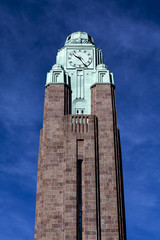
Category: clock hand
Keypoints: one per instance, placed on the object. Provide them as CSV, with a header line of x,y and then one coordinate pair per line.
x,y
76,55
80,58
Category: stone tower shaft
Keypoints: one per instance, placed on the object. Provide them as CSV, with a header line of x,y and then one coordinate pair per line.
x,y
80,184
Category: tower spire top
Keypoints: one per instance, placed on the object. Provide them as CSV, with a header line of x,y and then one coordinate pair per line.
x,y
79,38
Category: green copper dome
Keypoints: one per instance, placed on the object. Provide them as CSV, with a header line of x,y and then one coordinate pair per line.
x,y
79,38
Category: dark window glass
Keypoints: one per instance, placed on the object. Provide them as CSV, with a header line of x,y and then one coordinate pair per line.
x,y
79,200
89,37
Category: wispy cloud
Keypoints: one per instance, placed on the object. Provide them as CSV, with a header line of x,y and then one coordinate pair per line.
x,y
128,34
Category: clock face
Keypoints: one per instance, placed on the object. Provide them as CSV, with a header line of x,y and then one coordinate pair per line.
x,y
79,58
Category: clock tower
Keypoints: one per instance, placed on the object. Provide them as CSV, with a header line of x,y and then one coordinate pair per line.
x,y
80,184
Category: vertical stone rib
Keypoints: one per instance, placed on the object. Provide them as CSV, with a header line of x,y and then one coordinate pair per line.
x,y
119,172
103,106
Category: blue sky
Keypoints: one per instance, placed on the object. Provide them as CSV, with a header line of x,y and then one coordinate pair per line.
x,y
128,32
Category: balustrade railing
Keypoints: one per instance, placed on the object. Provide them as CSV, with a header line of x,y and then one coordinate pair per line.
x,y
79,123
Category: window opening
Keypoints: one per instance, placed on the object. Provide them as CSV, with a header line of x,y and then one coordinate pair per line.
x,y
89,37
79,200
80,84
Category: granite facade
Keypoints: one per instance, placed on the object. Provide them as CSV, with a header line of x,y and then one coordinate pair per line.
x,y
64,140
